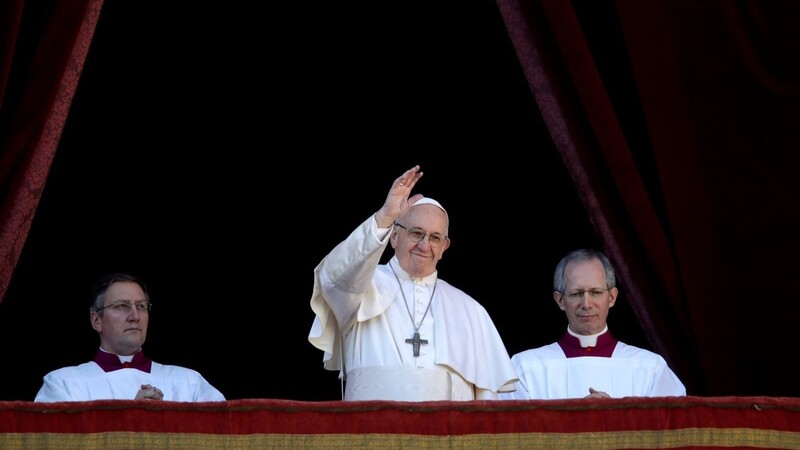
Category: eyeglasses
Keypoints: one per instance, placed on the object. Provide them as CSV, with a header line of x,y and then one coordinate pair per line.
x,y
418,234
594,293
126,307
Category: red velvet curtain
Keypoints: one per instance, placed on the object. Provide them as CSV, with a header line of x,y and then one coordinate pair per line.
x,y
678,120
43,45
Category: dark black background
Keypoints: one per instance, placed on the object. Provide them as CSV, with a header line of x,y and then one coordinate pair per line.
x,y
220,153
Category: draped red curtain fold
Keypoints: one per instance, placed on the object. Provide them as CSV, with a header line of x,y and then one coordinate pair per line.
x,y
676,120
43,46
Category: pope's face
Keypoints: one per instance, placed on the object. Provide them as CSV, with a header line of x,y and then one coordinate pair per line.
x,y
419,258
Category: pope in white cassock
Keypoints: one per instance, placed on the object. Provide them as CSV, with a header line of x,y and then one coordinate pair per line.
x,y
397,331
587,361
120,313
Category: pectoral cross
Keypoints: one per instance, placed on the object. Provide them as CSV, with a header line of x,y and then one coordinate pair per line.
x,y
416,341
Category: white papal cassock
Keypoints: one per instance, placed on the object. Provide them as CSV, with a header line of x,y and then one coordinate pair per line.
x,y
362,323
